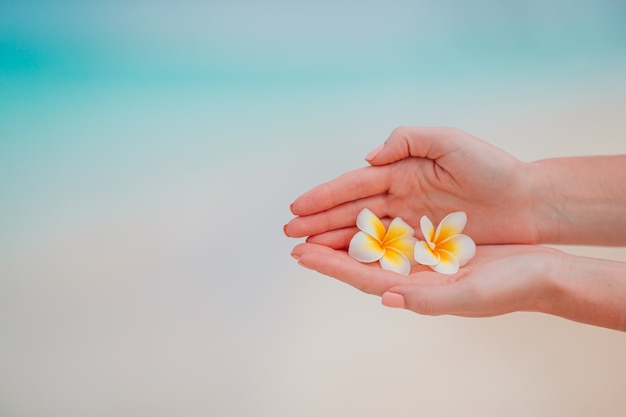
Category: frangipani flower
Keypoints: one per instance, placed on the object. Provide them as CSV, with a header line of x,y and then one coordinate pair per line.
x,y
445,250
392,247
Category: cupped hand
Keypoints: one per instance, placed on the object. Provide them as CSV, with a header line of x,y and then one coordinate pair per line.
x,y
500,279
424,171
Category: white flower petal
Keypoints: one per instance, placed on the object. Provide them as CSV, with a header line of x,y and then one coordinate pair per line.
x,y
395,261
404,244
370,224
398,228
448,264
461,246
424,254
452,224
428,230
365,248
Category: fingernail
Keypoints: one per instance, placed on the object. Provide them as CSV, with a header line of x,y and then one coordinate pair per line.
x,y
285,230
291,208
393,300
295,256
375,152
302,264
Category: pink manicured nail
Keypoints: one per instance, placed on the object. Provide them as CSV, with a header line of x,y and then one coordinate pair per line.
x,y
375,152
393,300
285,230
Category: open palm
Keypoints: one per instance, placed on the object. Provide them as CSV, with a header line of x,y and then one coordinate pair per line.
x,y
498,280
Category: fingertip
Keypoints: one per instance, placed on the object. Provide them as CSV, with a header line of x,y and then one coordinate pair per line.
x,y
393,300
304,260
374,153
288,230
297,251
300,206
301,263
301,249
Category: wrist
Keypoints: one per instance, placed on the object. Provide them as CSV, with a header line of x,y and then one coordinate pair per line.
x,y
544,193
578,200
548,265
587,290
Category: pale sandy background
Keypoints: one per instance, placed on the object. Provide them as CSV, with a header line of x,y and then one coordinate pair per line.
x,y
148,155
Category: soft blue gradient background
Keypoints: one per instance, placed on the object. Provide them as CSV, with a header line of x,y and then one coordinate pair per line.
x,y
149,151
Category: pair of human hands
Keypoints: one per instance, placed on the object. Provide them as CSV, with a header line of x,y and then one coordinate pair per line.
x,y
434,171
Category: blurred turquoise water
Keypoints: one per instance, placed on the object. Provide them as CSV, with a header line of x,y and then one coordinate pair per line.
x,y
132,69
247,45
127,80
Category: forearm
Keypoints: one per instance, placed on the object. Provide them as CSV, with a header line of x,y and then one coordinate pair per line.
x,y
590,291
580,200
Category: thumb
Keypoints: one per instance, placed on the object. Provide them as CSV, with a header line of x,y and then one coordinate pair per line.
x,y
430,300
424,142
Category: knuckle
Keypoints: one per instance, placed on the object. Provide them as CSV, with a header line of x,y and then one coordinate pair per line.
x,y
401,132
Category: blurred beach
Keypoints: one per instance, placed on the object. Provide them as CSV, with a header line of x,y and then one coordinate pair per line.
x,y
149,152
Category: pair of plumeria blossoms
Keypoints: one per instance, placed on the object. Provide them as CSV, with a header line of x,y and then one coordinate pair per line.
x,y
445,249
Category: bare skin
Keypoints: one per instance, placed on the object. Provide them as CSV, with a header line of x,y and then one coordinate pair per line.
x,y
435,171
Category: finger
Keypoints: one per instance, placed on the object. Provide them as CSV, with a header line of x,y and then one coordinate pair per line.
x,y
335,239
353,185
337,217
434,300
339,238
424,142
369,278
